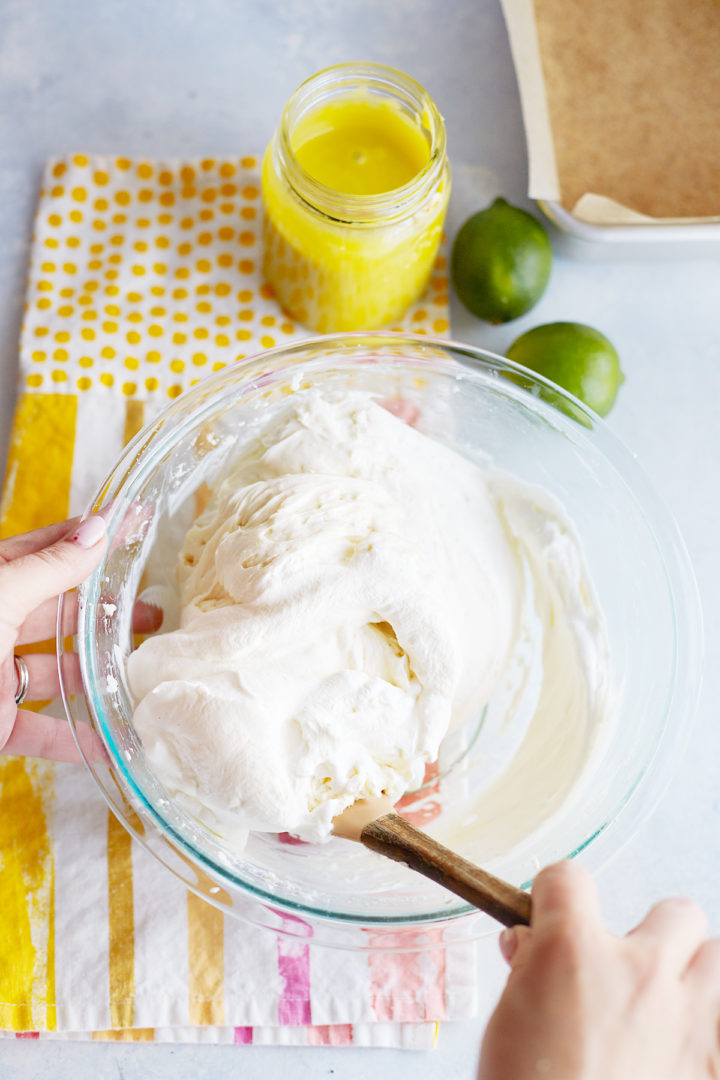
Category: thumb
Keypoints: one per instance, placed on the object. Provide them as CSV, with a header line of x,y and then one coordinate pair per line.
x,y
39,575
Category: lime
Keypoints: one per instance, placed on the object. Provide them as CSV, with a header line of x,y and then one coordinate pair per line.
x,y
501,262
573,356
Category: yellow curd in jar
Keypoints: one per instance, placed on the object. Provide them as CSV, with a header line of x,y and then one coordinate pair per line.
x,y
355,189
360,147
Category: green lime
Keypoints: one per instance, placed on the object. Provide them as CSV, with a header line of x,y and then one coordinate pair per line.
x,y
573,356
501,262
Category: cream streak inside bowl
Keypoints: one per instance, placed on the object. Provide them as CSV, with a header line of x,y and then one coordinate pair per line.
x,y
363,609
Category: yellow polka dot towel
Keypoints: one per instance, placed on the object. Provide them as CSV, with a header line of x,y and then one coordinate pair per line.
x,y
144,278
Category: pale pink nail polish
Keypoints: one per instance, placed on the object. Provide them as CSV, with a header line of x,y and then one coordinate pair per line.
x,y
508,943
90,532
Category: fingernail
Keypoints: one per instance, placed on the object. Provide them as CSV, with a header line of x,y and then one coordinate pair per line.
x,y
156,616
508,943
90,532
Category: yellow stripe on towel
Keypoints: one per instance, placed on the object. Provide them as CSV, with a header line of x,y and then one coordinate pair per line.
x,y
206,971
125,1035
37,488
121,909
134,419
121,919
27,982
37,492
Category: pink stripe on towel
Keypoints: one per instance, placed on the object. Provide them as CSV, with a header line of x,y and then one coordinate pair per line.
x,y
330,1035
293,959
294,970
243,1035
407,986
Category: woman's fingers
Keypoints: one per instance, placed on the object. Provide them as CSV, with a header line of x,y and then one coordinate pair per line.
x,y
512,942
704,969
146,617
8,690
403,409
36,735
35,568
33,734
26,543
36,576
564,893
41,624
43,677
673,929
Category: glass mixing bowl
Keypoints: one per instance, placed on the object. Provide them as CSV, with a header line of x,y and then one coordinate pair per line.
x,y
492,411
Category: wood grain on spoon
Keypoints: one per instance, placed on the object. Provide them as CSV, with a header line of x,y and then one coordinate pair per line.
x,y
374,823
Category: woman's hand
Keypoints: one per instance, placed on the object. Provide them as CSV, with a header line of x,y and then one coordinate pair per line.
x,y
583,1004
35,568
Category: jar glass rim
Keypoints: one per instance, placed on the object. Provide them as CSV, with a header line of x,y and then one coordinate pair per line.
x,y
338,81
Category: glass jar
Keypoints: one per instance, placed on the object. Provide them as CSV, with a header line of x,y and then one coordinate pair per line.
x,y
355,187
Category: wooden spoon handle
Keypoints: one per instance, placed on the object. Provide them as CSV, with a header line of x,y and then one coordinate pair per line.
x,y
393,836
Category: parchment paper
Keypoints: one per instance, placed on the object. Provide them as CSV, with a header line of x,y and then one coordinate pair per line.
x,y
621,100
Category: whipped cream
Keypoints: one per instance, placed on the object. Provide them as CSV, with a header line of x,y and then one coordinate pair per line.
x,y
351,592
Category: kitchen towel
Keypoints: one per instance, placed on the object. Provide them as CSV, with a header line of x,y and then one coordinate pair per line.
x,y
145,276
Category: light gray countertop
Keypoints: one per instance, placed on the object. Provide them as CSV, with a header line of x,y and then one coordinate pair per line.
x,y
186,77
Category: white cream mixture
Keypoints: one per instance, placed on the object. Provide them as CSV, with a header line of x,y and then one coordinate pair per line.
x,y
352,591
